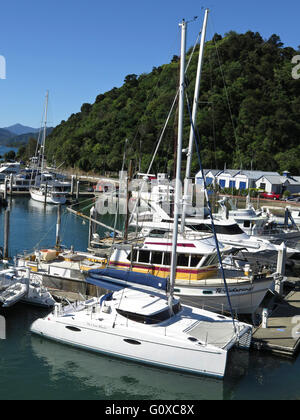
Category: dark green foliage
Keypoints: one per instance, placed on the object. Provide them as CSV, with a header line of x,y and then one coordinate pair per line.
x,y
248,117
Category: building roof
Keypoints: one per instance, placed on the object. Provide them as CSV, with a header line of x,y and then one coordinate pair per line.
x,y
274,179
214,172
257,174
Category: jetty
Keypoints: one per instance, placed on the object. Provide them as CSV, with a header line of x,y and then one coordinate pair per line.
x,y
281,332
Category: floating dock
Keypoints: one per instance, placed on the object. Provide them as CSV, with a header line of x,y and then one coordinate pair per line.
x,y
282,335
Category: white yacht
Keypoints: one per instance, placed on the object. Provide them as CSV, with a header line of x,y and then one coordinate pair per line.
x,y
46,189
198,280
258,223
55,192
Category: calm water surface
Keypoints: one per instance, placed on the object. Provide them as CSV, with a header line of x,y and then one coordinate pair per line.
x,y
34,368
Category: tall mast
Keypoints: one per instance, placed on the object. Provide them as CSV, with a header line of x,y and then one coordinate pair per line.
x,y
193,124
178,164
45,133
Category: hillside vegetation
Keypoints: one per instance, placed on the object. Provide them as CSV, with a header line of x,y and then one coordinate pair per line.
x,y
249,113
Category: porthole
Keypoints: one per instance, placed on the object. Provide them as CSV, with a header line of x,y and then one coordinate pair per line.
x,y
193,339
129,341
75,329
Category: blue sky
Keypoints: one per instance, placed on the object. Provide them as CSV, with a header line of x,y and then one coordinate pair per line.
x,y
79,49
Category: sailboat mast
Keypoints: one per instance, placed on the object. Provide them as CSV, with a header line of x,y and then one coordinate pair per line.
x,y
45,132
178,162
194,113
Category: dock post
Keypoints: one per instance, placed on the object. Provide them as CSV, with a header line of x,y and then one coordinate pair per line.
x,y
72,185
286,217
6,181
11,181
92,225
265,315
46,192
58,223
6,233
281,261
77,191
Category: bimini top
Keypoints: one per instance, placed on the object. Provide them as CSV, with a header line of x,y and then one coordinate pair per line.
x,y
113,279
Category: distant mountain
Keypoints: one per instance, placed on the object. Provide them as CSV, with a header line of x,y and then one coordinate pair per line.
x,y
19,129
16,141
5,135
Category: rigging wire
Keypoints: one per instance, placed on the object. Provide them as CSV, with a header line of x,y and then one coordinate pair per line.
x,y
197,141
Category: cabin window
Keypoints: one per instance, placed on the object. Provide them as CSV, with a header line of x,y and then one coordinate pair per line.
x,y
195,260
156,258
247,223
211,260
144,256
183,260
167,258
132,256
201,227
157,233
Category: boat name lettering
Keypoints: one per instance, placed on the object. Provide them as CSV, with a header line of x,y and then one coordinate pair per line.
x,y
235,290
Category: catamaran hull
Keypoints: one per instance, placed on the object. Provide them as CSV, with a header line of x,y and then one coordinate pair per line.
x,y
163,352
49,200
245,299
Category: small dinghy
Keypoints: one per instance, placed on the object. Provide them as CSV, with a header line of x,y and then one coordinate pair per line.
x,y
13,294
21,285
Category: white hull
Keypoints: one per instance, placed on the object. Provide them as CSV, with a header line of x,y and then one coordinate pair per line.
x,y
194,340
148,352
13,294
51,198
245,298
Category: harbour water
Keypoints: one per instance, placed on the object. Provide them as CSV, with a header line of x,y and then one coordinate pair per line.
x,y
32,368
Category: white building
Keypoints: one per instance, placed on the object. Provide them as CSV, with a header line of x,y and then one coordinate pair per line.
x,y
233,178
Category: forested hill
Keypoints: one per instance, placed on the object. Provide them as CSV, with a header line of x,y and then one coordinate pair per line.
x,y
249,113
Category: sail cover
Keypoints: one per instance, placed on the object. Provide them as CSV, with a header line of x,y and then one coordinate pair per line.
x,y
124,278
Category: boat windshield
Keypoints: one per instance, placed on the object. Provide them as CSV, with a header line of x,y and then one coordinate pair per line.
x,y
233,229
152,318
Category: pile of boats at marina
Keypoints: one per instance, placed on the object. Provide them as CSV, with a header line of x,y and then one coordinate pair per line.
x,y
171,293
43,184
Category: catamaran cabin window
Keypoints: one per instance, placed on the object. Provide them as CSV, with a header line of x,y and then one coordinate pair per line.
x,y
151,319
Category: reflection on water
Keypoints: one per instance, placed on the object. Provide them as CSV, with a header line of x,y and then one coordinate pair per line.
x,y
35,368
33,225
38,207
113,378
